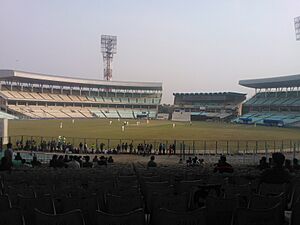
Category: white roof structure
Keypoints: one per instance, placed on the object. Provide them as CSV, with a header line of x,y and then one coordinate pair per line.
x,y
273,82
37,78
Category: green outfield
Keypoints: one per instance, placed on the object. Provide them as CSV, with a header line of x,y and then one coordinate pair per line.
x,y
155,129
207,136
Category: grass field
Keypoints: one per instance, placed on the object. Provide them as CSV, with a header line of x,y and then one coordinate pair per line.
x,y
157,131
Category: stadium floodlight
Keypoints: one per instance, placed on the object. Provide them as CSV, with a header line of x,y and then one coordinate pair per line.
x,y
108,49
297,27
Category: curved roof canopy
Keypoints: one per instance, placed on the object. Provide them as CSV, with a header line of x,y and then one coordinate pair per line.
x,y
273,82
36,78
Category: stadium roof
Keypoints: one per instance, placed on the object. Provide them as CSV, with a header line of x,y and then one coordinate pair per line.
x,y
211,93
273,82
37,78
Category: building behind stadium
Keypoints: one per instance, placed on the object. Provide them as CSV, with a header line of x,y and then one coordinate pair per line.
x,y
39,96
276,102
218,106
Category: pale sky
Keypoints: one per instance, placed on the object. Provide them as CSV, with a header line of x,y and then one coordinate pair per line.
x,y
190,46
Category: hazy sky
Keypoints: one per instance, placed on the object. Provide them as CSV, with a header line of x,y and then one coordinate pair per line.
x,y
190,46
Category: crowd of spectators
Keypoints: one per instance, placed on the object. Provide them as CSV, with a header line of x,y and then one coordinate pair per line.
x,y
62,146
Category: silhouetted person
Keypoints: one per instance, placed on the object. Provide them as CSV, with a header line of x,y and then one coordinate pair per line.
x,y
35,162
296,165
18,156
288,165
87,162
6,164
277,174
102,161
151,163
222,166
263,163
110,159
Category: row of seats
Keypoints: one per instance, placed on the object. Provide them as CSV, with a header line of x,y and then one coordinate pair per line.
x,y
51,112
18,95
275,99
130,194
269,118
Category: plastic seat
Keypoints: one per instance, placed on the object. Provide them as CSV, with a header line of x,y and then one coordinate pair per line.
x,y
295,217
28,205
11,216
4,203
220,210
69,218
87,205
117,204
244,216
186,186
165,216
135,217
272,189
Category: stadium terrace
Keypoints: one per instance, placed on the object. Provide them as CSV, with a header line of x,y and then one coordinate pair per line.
x,y
276,102
33,95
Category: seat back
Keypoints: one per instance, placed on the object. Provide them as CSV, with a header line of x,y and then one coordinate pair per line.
x,y
186,186
11,216
222,207
28,205
117,204
4,203
70,218
265,202
135,217
295,218
165,216
272,189
244,216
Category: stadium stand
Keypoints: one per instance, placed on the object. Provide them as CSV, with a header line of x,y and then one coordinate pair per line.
x,y
276,102
130,193
31,95
221,106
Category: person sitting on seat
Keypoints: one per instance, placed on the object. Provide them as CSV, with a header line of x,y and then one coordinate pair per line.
x,y
18,156
110,159
35,162
263,163
288,165
296,165
6,164
222,166
277,174
53,161
87,163
102,161
151,163
73,164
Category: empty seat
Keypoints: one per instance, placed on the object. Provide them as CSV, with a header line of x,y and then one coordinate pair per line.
x,y
135,217
165,216
69,218
244,216
11,217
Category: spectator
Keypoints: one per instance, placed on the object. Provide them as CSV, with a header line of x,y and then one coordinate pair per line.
x,y
35,162
277,174
222,166
60,162
53,161
6,164
288,165
296,165
102,161
110,159
263,163
73,164
151,163
87,163
18,156
8,154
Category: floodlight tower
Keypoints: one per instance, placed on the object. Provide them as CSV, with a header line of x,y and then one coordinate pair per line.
x,y
108,49
297,27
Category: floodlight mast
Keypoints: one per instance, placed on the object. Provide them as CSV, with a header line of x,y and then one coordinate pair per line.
x,y
108,49
297,28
